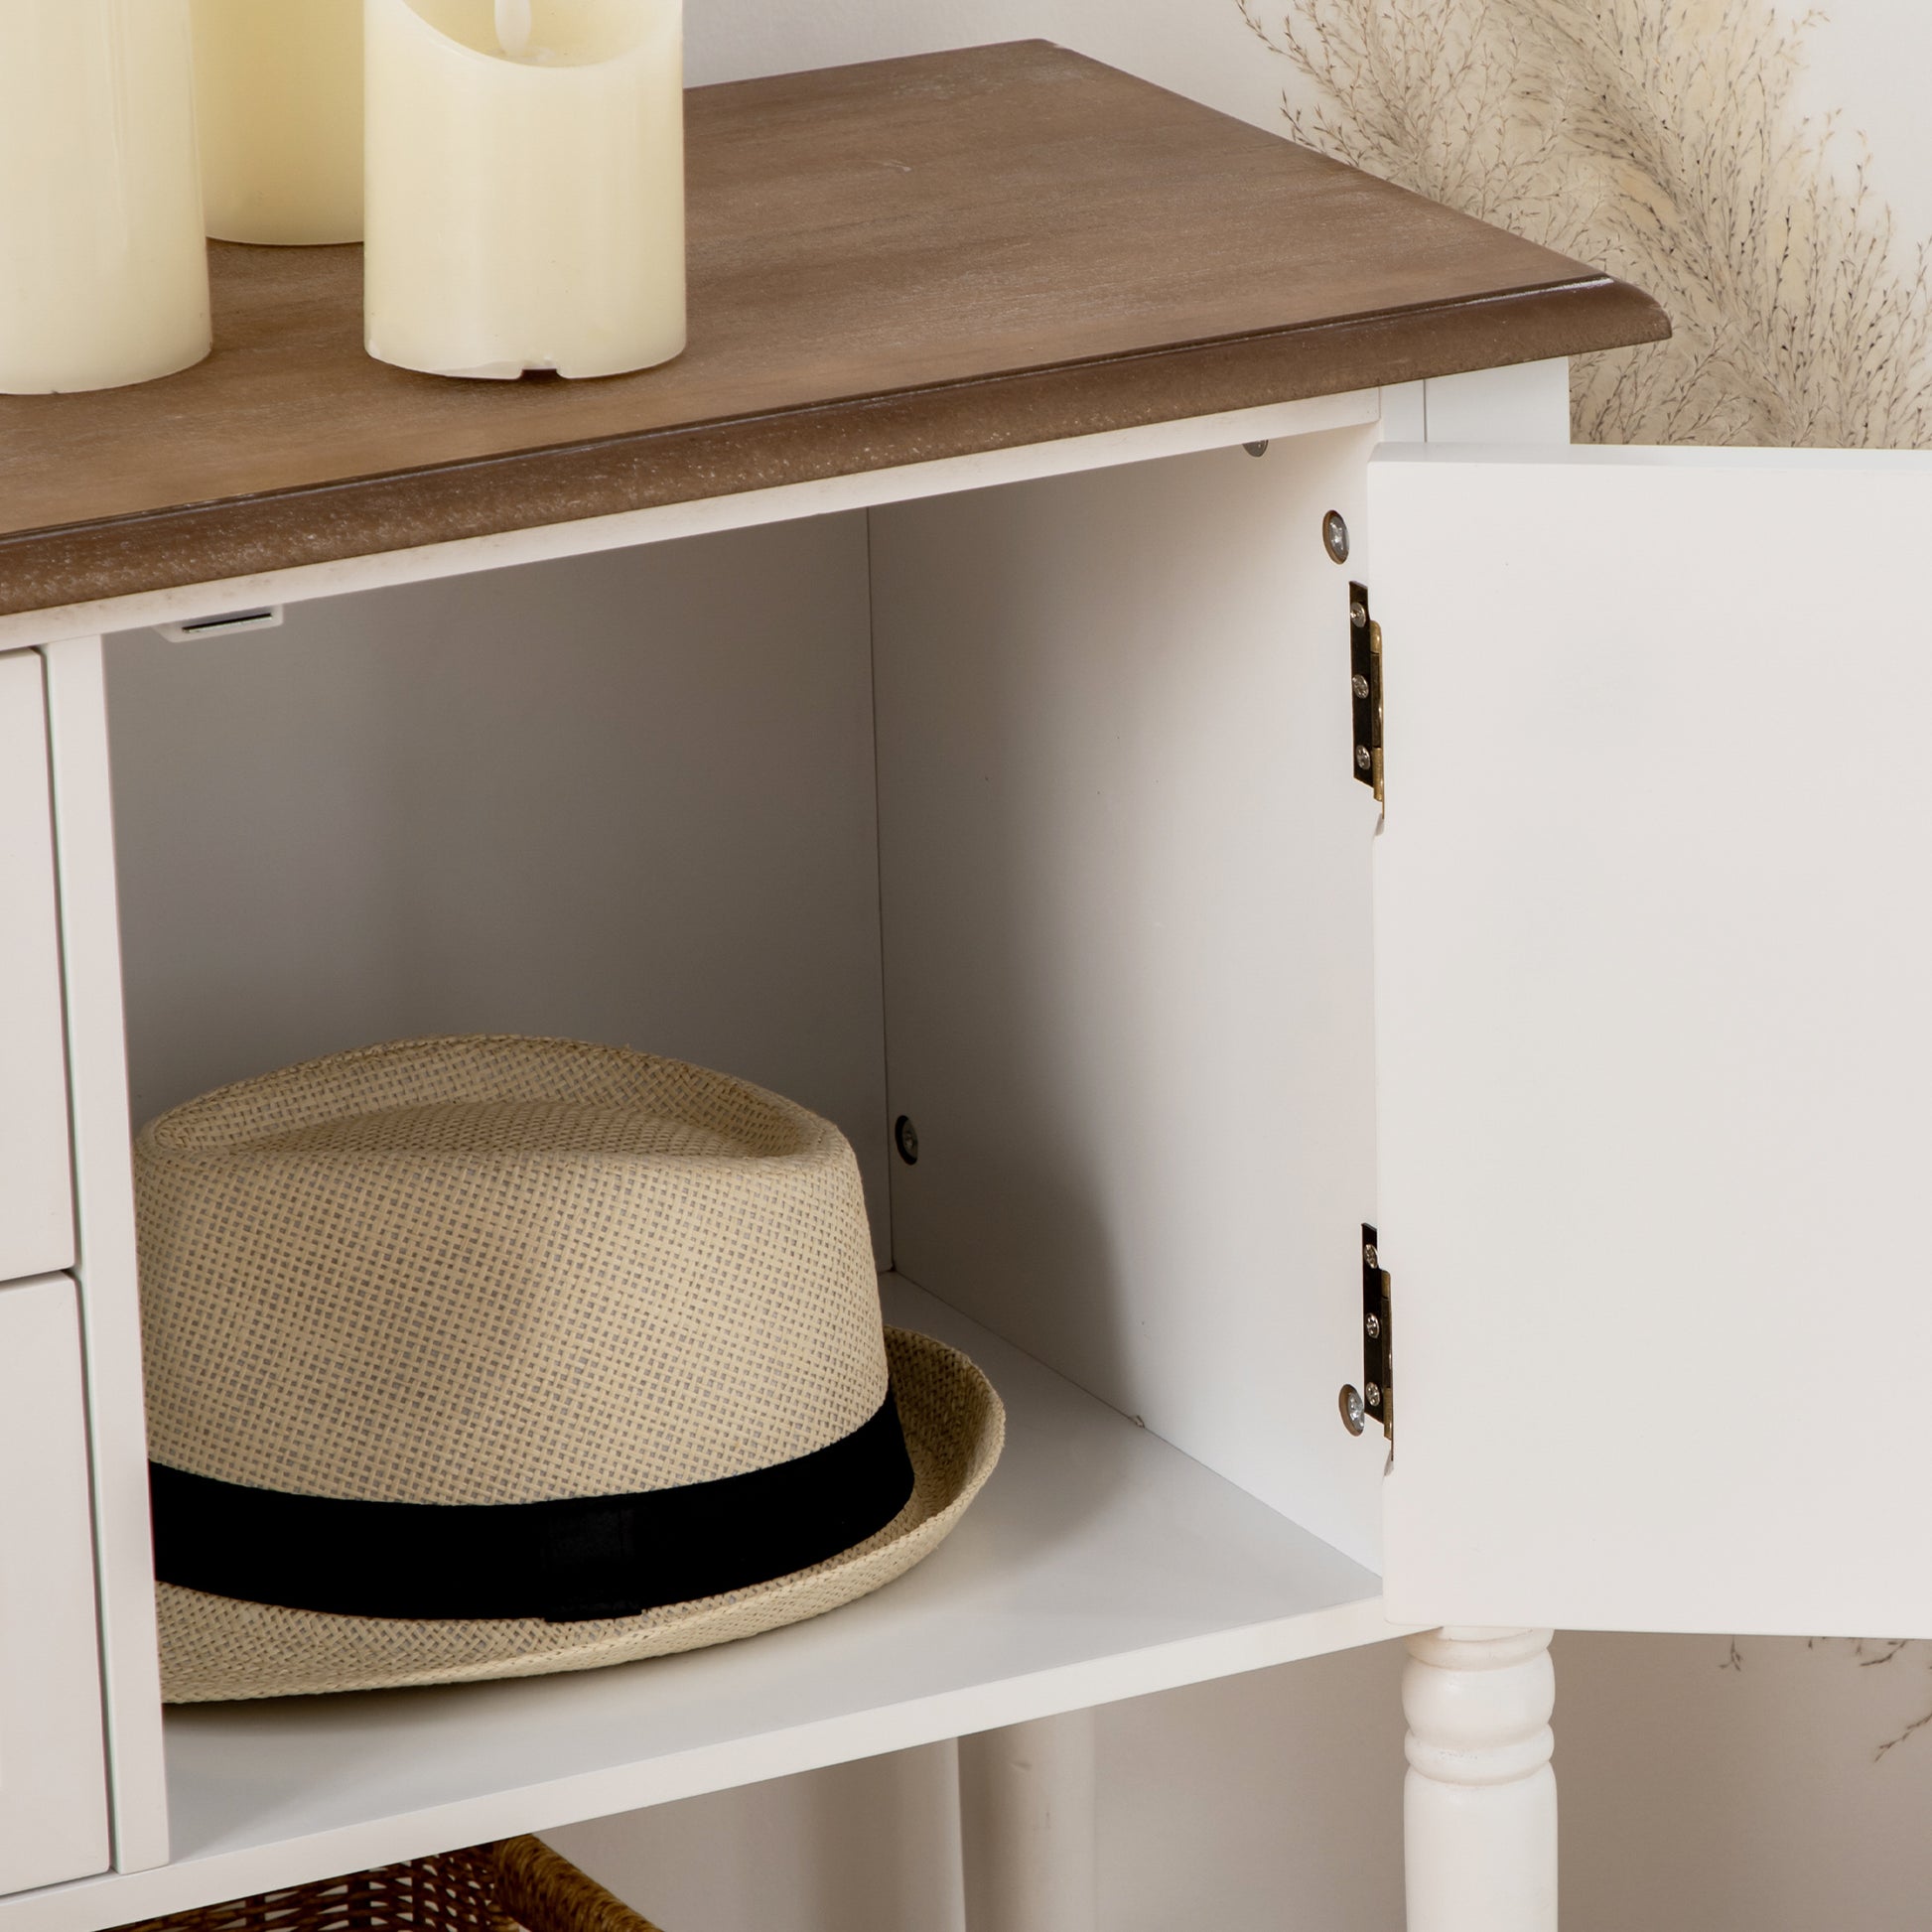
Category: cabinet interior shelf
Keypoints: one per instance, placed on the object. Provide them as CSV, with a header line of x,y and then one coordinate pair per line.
x,y
1099,1563
891,263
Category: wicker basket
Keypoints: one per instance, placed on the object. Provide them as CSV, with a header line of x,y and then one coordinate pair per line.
x,y
515,1883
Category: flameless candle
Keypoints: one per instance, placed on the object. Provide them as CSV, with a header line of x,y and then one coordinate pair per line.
x,y
103,271
278,89
525,184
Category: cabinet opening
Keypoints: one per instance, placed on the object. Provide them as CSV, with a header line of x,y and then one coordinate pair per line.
x,y
1015,827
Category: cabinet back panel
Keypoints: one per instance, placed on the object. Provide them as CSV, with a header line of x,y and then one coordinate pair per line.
x,y
1126,898
627,797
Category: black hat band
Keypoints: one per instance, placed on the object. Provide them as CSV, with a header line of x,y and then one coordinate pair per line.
x,y
567,1561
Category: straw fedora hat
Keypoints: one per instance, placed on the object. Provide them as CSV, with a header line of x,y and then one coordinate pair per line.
x,y
491,1356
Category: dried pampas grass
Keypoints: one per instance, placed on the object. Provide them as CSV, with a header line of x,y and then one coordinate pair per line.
x,y
1657,139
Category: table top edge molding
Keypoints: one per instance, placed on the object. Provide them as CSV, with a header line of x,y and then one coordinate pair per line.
x,y
497,495
659,523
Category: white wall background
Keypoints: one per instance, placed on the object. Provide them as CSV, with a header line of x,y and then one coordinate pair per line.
x,y
1703,1790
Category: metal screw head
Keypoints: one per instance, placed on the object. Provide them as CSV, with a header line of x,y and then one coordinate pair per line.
x,y
1358,614
1374,1327
906,1137
1359,685
1363,759
1256,449
1375,1395
1334,537
1369,1257
1354,1417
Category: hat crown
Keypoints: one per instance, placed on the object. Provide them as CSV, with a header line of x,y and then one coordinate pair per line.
x,y
495,1270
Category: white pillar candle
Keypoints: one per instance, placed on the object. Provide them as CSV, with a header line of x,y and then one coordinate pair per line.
x,y
278,89
525,184
103,271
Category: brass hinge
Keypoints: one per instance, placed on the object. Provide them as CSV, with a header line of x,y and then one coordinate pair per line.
x,y
1374,1401
1378,1337
1365,684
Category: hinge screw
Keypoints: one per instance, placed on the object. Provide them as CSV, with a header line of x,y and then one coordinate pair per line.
x,y
1334,537
1358,614
1354,1417
1375,1395
1368,1255
906,1137
1363,757
1359,685
1374,1327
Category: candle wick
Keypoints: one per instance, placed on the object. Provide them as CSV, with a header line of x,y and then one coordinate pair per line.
x,y
513,27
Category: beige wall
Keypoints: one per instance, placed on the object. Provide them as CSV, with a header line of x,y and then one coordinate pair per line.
x,y
1702,1792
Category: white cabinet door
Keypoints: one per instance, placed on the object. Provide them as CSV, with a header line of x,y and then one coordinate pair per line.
x,y
53,1762
36,1192
1654,985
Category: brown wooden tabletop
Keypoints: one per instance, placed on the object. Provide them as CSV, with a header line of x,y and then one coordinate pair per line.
x,y
890,264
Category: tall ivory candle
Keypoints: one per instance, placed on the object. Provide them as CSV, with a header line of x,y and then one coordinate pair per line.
x,y
103,271
278,89
525,184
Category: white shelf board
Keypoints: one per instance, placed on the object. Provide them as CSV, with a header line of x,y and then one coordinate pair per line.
x,y
1099,1563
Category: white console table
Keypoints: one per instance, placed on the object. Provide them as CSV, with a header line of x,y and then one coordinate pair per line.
x,y
985,602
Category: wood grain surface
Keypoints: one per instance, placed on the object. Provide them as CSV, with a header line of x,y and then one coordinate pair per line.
x,y
890,264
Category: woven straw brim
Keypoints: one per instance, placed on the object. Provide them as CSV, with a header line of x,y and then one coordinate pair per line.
x,y
217,1648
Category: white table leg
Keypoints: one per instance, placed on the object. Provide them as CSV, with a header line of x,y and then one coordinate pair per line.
x,y
1026,1826
1479,1812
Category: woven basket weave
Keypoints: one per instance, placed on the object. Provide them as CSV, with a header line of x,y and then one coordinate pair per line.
x,y
515,1883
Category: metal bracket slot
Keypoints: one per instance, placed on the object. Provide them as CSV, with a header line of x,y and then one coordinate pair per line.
x,y
263,618
1365,685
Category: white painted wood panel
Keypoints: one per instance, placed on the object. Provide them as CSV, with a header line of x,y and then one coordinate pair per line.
x,y
1028,1835
36,1179
52,1770
1097,1564
1480,1802
1654,933
1528,402
1126,910
111,1313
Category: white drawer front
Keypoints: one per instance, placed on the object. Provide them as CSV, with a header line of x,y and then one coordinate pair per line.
x,y
36,1190
53,1763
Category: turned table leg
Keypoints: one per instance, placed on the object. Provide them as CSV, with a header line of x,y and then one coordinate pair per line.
x,y
1479,1810
1026,1826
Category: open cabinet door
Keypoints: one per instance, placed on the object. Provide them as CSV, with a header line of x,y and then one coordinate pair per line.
x,y
1654,991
